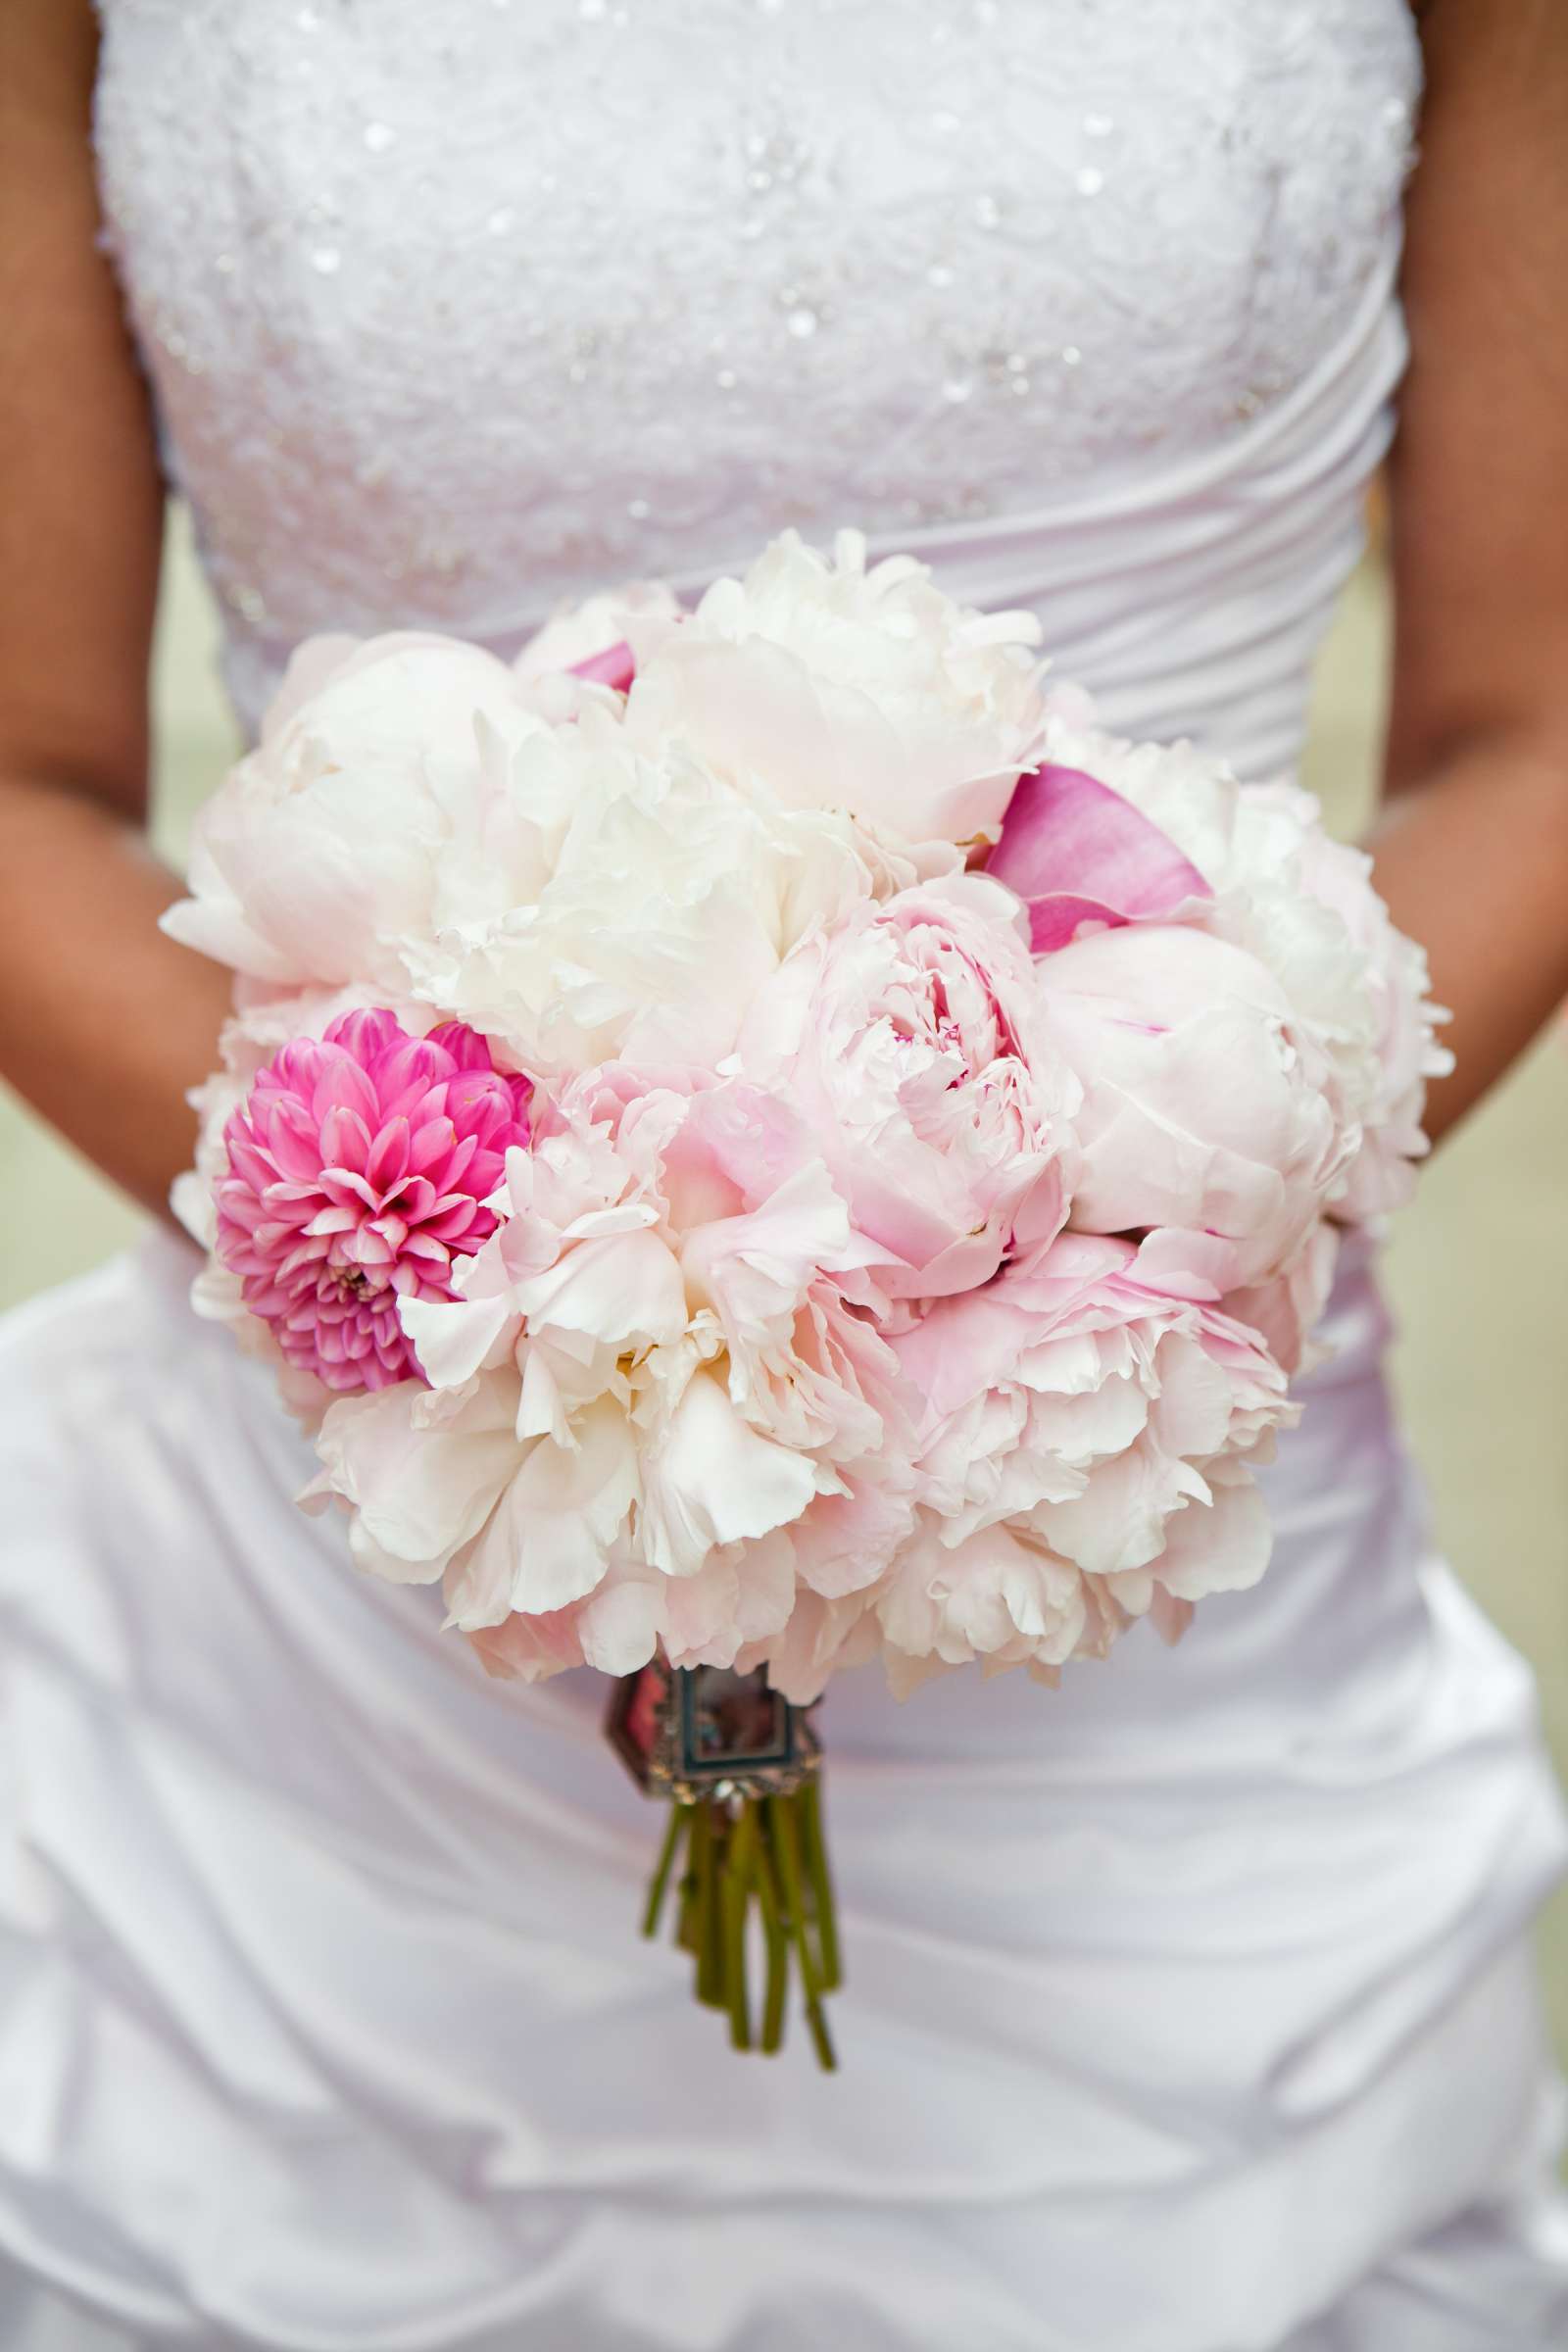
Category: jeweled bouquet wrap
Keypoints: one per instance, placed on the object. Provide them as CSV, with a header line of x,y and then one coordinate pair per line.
x,y
759,1139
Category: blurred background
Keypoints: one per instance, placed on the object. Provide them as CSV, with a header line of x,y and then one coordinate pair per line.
x,y
1476,1270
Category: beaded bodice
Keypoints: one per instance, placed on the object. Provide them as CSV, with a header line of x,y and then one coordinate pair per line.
x,y
452,312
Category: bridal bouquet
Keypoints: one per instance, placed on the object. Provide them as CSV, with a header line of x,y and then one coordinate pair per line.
x,y
759,1139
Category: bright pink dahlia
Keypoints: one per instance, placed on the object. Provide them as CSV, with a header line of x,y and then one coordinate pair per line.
x,y
359,1170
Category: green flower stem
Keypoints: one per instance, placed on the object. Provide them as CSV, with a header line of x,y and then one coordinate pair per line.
x,y
686,1922
778,1949
679,1825
781,1826
736,1888
813,1853
768,1853
710,1925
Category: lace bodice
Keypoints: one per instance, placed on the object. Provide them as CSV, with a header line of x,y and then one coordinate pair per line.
x,y
453,312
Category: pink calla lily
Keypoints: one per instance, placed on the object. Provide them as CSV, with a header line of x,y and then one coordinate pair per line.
x,y
1077,853
614,666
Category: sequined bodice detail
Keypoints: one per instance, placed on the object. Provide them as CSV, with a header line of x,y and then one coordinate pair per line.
x,y
452,310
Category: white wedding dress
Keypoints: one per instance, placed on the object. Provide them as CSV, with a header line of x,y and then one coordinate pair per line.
x,y
1190,2008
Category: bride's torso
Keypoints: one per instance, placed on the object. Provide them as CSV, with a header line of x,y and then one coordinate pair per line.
x,y
452,313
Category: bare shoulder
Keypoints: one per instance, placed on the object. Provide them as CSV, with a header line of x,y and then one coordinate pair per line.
x,y
80,517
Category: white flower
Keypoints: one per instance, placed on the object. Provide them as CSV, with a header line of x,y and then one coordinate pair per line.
x,y
632,621
330,842
1392,1004
655,906
834,686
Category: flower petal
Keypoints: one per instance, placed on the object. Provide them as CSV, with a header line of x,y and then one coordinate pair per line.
x,y
1076,852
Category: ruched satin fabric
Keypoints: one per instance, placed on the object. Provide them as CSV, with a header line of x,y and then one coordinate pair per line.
x,y
1190,594
1184,2003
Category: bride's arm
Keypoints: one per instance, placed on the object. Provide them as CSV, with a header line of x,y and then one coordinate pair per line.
x,y
1472,849
104,1023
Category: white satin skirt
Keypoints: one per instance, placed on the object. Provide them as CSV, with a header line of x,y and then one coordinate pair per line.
x,y
1188,2009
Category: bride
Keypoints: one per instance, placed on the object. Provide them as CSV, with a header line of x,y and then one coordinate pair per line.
x,y
1192,2009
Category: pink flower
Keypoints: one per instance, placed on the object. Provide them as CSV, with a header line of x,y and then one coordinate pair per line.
x,y
1270,881
1286,1311
1084,1461
1077,853
1206,1108
359,1168
911,1041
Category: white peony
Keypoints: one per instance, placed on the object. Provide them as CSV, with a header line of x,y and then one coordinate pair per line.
x,y
559,666
332,840
829,685
650,905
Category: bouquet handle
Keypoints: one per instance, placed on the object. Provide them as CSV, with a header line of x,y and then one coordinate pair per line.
x,y
744,1862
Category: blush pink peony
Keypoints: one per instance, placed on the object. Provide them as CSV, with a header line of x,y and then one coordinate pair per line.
x,y
1299,903
1206,1111
1083,1461
359,1168
911,1040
